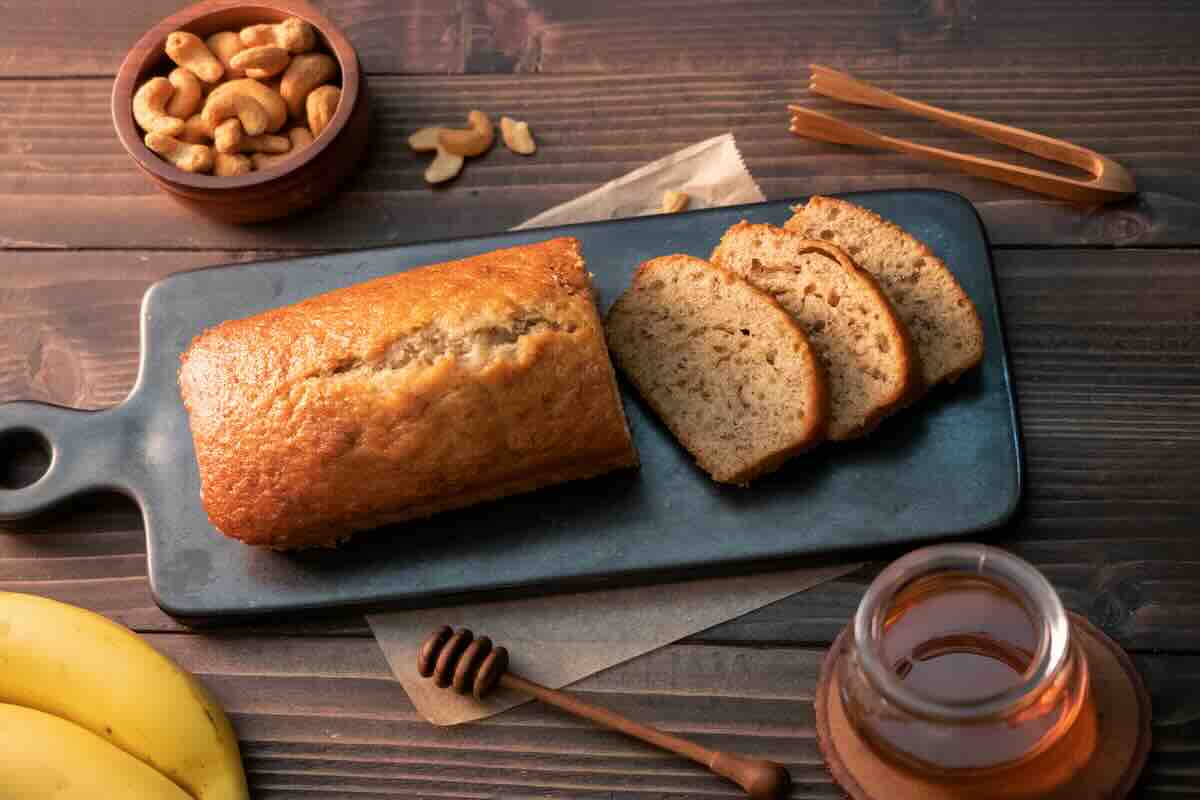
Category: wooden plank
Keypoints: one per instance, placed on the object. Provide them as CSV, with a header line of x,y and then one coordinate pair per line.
x,y
67,38
671,36
1104,346
662,36
323,717
60,160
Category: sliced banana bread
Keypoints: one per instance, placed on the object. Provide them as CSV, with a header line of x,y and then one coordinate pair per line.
x,y
857,336
721,363
940,318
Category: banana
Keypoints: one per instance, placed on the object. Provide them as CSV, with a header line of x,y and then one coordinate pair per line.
x,y
99,675
43,757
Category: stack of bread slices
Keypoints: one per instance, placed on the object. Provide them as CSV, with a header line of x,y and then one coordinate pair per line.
x,y
790,336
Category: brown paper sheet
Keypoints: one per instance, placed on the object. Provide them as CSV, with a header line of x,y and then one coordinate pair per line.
x,y
560,639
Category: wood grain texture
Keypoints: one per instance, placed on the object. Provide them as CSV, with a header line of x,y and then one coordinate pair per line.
x,y
1104,347
60,159
322,716
66,38
1104,343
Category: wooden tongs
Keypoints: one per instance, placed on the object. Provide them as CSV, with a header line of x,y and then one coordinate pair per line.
x,y
1110,181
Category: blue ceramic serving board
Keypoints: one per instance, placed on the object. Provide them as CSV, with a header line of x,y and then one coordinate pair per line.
x,y
948,466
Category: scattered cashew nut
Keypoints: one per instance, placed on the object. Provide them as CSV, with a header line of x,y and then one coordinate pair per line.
x,y
469,142
517,136
425,139
305,73
674,201
446,165
263,61
188,95
225,45
293,34
269,99
228,165
227,105
320,105
150,108
187,157
188,51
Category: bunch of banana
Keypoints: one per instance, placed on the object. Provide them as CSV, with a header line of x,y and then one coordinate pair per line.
x,y
89,710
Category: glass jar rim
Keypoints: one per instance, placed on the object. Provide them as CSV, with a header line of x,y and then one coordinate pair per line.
x,y
1018,576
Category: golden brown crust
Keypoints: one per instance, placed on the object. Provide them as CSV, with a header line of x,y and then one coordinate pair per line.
x,y
403,396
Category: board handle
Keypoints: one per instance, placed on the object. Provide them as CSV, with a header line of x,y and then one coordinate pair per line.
x,y
86,453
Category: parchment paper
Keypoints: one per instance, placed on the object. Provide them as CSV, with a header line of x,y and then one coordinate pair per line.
x,y
711,172
560,639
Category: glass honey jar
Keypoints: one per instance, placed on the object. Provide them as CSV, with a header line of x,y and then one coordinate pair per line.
x,y
963,672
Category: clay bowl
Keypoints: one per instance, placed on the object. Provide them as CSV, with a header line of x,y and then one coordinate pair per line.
x,y
298,183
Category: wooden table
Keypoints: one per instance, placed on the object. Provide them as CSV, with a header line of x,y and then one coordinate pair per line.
x,y
1102,313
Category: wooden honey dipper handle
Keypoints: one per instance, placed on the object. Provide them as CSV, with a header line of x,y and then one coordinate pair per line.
x,y
457,659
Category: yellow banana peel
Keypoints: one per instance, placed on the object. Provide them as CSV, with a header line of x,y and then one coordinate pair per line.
x,y
87,670
43,756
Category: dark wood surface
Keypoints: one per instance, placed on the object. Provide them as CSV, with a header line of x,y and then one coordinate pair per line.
x,y
1102,310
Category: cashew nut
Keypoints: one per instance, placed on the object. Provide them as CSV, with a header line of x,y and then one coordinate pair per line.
x,y
268,160
150,107
517,136
197,131
321,104
300,138
674,201
293,34
424,139
226,105
187,97
472,141
225,45
266,144
270,100
187,50
187,157
228,165
264,61
228,137
444,167
305,73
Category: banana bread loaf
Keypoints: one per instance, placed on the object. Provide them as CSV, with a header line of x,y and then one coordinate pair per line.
x,y
428,390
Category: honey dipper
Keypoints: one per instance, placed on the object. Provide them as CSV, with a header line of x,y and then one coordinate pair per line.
x,y
473,666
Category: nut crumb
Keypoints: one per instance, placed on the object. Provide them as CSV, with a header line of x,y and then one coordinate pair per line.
x,y
674,201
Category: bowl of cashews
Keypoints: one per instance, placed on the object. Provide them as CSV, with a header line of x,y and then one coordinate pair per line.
x,y
243,112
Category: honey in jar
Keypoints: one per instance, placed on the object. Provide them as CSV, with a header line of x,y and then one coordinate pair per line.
x,y
963,672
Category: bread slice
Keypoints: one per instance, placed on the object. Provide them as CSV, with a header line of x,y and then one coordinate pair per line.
x,y
721,363
940,318
855,332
